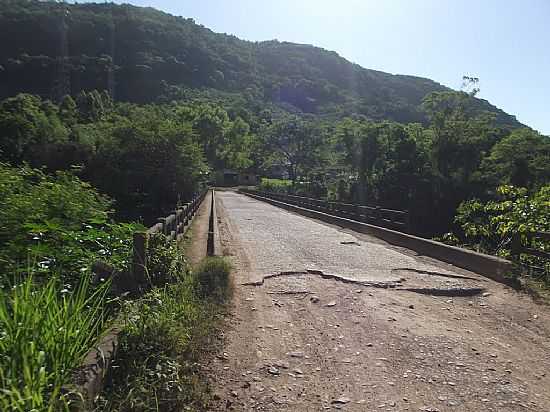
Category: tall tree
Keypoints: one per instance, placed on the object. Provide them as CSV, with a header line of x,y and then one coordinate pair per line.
x,y
298,144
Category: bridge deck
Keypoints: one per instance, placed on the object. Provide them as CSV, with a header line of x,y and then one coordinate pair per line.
x,y
328,318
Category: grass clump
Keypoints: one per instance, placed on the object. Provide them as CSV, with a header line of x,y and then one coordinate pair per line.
x,y
164,335
213,278
45,331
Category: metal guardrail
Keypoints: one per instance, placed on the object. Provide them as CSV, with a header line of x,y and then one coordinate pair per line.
x,y
518,249
374,215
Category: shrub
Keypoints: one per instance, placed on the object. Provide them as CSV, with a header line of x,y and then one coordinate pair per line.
x,y
213,277
56,224
166,263
275,185
490,227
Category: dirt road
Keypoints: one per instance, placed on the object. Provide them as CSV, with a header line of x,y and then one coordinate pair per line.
x,y
322,319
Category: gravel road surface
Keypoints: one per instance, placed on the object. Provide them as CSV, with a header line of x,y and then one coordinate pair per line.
x,y
324,318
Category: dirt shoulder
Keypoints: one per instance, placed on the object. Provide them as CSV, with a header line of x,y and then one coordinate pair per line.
x,y
195,242
301,342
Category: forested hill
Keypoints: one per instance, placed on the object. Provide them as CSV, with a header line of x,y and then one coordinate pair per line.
x,y
144,55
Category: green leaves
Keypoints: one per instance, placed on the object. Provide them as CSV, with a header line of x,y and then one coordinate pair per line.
x,y
521,159
56,225
165,333
297,144
26,122
490,226
45,330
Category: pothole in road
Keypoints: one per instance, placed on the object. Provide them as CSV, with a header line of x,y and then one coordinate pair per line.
x,y
350,243
462,284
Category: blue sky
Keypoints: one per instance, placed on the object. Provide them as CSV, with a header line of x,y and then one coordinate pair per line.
x,y
506,43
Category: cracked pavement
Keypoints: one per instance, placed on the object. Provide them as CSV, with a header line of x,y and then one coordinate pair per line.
x,y
324,318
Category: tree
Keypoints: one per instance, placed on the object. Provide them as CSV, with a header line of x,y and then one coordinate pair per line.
x,y
28,125
239,144
68,111
211,124
298,144
149,164
93,105
470,85
520,159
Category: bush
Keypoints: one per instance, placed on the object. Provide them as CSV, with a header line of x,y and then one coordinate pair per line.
x,y
166,263
213,278
275,185
56,224
490,227
51,230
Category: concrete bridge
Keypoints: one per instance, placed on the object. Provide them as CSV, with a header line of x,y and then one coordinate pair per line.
x,y
329,318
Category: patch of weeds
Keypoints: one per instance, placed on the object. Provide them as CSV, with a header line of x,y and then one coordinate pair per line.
x,y
166,262
213,278
165,334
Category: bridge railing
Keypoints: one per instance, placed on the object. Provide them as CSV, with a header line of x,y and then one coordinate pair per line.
x,y
537,262
172,226
374,215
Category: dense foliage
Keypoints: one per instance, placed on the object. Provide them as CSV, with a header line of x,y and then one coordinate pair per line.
x,y
505,226
148,158
428,170
55,226
52,227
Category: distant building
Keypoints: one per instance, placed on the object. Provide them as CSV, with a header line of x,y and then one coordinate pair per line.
x,y
234,178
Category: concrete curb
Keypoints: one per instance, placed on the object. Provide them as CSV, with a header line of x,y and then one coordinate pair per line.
x,y
217,239
214,247
89,378
489,266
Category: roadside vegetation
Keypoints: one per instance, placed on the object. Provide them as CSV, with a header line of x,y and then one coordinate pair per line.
x,y
52,227
45,331
53,310
165,333
275,185
503,226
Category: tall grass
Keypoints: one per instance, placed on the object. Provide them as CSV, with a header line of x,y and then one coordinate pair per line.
x,y
45,331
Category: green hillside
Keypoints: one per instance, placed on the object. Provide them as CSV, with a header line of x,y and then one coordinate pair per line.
x,y
142,55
